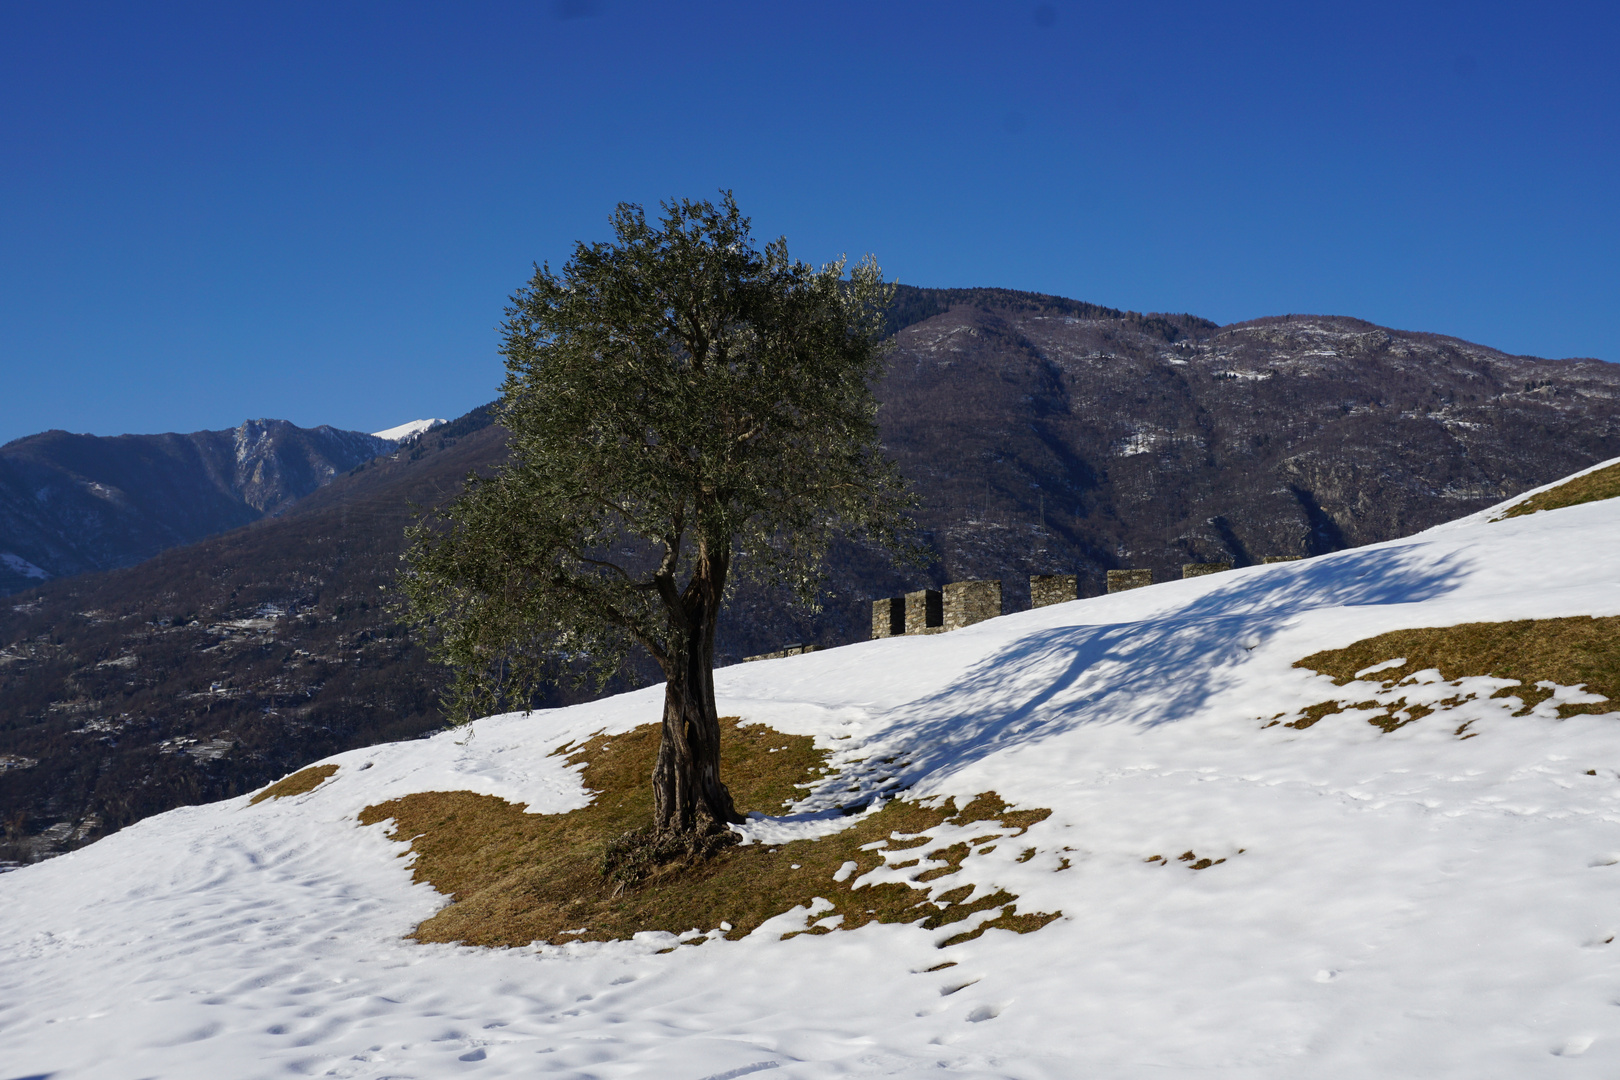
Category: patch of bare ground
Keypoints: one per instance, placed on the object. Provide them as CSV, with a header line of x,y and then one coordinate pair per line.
x,y
517,878
1193,860
1538,655
1593,487
299,782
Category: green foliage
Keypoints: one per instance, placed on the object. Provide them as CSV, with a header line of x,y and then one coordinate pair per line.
x,y
681,406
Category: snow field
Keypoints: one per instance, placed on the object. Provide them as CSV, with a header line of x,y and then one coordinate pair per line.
x,y
1401,904
407,430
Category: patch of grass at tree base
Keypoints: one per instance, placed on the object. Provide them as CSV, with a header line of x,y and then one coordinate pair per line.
x,y
299,782
518,878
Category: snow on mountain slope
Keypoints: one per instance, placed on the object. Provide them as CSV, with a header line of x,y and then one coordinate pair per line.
x,y
407,430
21,566
1401,904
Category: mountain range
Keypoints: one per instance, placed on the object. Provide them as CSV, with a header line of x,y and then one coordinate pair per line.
x,y
1042,435
74,503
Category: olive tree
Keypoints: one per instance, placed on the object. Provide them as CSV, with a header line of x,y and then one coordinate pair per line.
x,y
683,409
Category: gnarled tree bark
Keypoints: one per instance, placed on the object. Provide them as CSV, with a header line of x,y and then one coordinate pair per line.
x,y
688,795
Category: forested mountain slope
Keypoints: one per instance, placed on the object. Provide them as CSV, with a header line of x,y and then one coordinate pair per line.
x,y
1108,442
194,674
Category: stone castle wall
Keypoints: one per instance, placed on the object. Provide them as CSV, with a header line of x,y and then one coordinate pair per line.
x,y
790,650
963,603
932,611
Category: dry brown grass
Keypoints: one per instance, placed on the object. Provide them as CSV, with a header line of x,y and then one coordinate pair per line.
x,y
1594,486
1568,652
299,782
1193,860
517,878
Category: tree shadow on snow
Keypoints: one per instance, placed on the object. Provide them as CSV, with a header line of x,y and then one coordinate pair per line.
x,y
1154,671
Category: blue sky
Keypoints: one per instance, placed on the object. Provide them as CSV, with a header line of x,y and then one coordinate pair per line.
x,y
316,212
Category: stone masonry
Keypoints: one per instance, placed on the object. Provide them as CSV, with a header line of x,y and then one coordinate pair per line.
x,y
924,612
963,603
888,617
1047,589
1121,580
788,650
969,602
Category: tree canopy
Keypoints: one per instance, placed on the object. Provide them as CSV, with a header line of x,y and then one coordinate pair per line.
x,y
684,410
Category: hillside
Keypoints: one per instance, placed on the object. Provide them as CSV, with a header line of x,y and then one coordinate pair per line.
x,y
75,503
1347,817
1042,434
1046,439
199,673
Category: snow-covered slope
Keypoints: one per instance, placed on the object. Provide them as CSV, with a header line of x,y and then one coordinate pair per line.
x,y
408,430
1402,904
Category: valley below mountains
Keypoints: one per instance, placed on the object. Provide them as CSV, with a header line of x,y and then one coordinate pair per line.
x,y
1042,435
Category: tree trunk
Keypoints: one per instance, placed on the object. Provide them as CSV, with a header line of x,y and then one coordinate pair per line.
x,y
688,795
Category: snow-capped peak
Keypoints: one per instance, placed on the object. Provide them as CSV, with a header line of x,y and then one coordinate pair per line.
x,y
407,431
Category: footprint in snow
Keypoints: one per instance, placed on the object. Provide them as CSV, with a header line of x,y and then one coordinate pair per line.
x,y
206,1031
1574,1046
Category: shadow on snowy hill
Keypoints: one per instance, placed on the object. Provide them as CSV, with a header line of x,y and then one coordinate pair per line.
x,y
1151,672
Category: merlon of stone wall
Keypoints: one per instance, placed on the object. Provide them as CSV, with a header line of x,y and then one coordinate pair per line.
x,y
969,602
1047,589
1199,569
924,611
1121,580
1282,558
889,617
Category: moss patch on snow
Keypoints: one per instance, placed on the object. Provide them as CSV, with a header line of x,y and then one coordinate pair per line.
x,y
1535,656
297,784
1593,487
517,878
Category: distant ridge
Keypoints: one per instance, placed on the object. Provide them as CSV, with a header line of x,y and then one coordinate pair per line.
x,y
914,304
73,503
